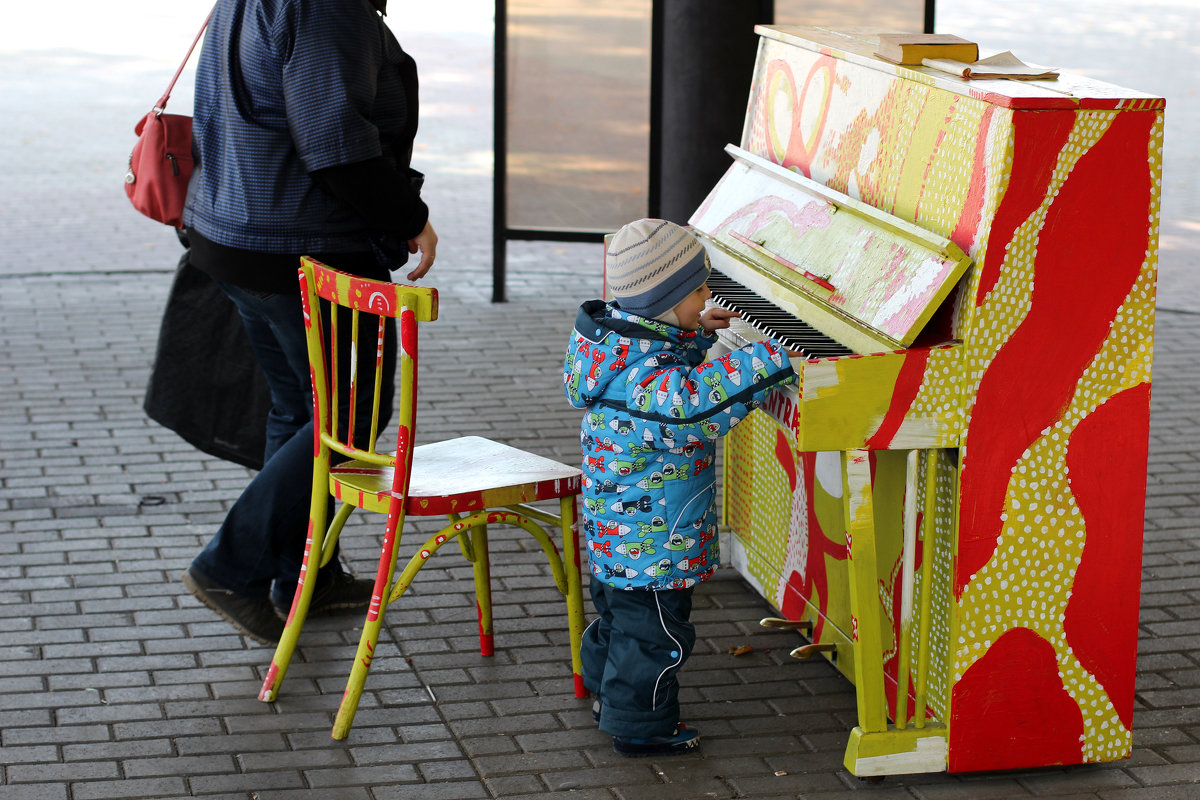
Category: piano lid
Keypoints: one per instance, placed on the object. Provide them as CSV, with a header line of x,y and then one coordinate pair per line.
x,y
858,268
1069,91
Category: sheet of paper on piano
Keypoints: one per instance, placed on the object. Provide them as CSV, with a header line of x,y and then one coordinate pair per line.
x,y
1000,66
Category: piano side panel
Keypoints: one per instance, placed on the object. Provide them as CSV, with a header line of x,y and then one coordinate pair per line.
x,y
1052,651
889,475
941,600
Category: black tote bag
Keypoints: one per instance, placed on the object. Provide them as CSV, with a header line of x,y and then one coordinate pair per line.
x,y
205,384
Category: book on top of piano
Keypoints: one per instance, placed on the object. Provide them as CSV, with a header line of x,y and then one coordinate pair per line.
x,y
912,48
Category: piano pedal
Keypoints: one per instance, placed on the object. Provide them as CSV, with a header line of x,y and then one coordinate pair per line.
x,y
804,626
809,650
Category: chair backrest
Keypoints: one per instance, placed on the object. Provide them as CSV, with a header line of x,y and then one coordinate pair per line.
x,y
350,334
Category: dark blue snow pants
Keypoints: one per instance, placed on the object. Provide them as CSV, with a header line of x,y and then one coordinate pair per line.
x,y
631,654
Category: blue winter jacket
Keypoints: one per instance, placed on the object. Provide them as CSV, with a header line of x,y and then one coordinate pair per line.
x,y
655,408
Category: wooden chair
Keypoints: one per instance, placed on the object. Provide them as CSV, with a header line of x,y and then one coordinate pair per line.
x,y
473,481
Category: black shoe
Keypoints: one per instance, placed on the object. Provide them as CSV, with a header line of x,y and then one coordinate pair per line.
x,y
340,592
254,617
683,740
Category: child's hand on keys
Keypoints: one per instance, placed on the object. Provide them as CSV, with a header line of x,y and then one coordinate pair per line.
x,y
716,318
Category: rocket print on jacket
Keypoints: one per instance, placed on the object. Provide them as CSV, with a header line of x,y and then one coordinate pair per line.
x,y
654,409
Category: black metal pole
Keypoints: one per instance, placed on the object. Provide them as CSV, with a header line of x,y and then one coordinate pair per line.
x,y
702,62
654,190
500,156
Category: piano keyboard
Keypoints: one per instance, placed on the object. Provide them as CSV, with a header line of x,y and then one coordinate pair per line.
x,y
761,318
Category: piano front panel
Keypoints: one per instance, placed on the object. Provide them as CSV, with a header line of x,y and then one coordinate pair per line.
x,y
1054,192
906,400
903,400
773,487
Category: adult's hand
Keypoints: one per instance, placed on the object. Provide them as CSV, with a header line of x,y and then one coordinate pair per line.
x,y
425,242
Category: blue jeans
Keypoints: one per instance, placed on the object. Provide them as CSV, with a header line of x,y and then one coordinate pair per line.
x,y
259,548
631,654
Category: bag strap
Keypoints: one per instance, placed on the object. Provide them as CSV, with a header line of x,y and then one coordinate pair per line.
x,y
161,105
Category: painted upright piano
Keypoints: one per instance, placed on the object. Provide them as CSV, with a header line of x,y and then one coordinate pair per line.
x,y
950,504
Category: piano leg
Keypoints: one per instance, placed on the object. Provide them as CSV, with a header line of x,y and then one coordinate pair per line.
x,y
875,747
866,629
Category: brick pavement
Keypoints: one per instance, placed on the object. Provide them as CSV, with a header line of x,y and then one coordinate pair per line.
x,y
115,683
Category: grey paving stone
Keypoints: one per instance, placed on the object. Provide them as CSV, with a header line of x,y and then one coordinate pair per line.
x,y
501,789
1188,773
35,791
386,774
247,785
179,766
342,793
1185,791
1091,778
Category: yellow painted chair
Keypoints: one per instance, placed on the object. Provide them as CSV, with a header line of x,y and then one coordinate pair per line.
x,y
471,480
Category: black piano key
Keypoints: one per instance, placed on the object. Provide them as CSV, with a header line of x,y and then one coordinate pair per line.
x,y
772,321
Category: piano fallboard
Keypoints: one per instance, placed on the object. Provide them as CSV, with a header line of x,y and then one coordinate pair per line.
x,y
866,279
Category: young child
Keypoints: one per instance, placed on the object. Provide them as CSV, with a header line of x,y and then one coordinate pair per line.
x,y
655,407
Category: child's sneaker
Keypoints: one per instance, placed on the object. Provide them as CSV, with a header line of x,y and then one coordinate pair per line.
x,y
683,740
597,707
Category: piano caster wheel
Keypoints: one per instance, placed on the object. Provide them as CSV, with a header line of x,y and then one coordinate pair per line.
x,y
802,625
810,650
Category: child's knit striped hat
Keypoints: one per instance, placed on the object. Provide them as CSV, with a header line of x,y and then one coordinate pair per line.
x,y
652,265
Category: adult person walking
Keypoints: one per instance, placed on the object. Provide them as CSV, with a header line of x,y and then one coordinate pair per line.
x,y
304,119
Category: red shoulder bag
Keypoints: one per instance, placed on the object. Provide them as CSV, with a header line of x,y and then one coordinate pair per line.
x,y
161,162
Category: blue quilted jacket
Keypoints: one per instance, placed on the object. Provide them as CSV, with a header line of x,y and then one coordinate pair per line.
x,y
655,408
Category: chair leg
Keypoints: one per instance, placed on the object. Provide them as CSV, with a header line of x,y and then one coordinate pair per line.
x,y
386,593
483,588
358,672
295,623
329,546
371,627
567,566
315,556
573,568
